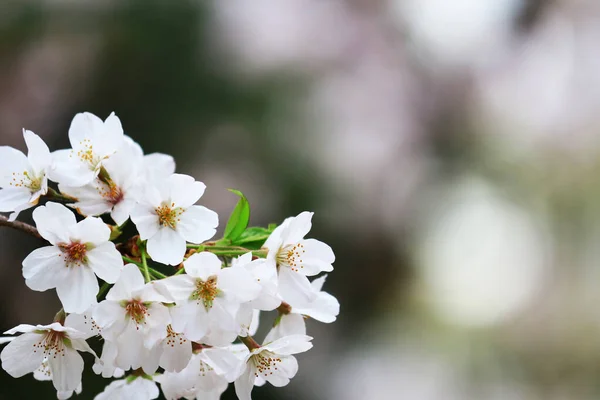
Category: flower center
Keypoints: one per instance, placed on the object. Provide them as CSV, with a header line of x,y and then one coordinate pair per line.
x,y
111,193
27,180
205,368
52,344
291,256
206,291
86,154
168,215
265,362
174,338
74,253
137,311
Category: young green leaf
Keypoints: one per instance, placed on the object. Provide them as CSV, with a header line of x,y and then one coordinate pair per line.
x,y
238,221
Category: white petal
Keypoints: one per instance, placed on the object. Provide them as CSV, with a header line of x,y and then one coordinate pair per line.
x,y
324,308
191,319
121,210
90,230
317,258
18,357
224,362
238,283
292,344
185,190
24,328
179,287
12,198
297,228
67,169
78,291
44,268
38,152
245,383
202,265
131,347
53,221
11,160
290,324
131,279
89,199
197,224
177,352
151,359
167,247
155,328
84,323
107,314
66,370
286,369
159,165
294,287
146,221
112,137
106,262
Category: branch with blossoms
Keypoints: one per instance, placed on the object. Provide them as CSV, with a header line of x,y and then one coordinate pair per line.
x,y
175,308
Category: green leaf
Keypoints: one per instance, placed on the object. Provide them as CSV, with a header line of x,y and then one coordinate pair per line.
x,y
238,221
253,238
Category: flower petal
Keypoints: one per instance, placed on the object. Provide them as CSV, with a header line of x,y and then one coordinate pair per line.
x,y
44,268
146,221
286,369
202,265
13,198
245,383
66,370
197,224
90,230
11,160
18,357
38,152
52,221
239,284
185,190
106,262
294,287
167,246
191,319
77,292
297,228
317,258
131,279
179,287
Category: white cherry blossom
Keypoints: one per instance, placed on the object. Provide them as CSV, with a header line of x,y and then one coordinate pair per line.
x,y
117,196
296,257
134,319
93,142
79,252
140,388
23,178
51,350
167,217
201,378
272,362
208,297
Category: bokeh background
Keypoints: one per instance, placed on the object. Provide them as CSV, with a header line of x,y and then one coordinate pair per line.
x,y
449,149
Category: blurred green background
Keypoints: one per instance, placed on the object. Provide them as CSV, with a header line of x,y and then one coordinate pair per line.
x,y
449,150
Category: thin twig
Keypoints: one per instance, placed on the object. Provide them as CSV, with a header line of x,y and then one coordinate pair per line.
x,y
21,226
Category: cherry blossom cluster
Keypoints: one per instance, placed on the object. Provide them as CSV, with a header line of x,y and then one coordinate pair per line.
x,y
165,306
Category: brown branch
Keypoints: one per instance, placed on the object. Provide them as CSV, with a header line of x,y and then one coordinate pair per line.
x,y
21,226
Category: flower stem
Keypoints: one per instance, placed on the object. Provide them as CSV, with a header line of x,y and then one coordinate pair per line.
x,y
54,195
103,289
249,341
145,269
131,261
156,273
